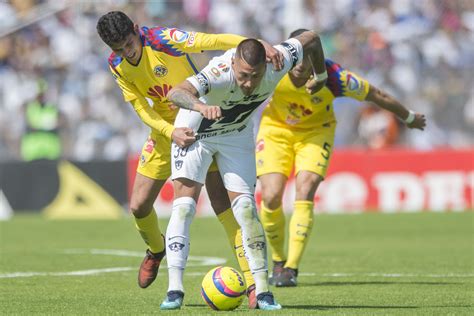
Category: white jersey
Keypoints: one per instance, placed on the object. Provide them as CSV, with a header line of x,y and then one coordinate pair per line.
x,y
216,85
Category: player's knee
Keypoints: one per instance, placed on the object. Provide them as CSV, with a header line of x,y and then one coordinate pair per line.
x,y
141,206
219,206
184,208
271,200
244,208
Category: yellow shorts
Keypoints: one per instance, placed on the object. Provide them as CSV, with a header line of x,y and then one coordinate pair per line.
x,y
279,149
155,158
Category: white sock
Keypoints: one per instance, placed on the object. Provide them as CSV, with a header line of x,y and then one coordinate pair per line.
x,y
253,239
177,241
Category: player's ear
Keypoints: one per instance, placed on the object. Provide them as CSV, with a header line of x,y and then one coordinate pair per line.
x,y
232,60
136,28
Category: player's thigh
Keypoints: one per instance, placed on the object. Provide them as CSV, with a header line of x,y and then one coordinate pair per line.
x,y
191,162
313,151
236,160
307,183
274,151
216,190
155,158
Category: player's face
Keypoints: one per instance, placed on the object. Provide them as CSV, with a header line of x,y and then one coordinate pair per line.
x,y
248,77
130,48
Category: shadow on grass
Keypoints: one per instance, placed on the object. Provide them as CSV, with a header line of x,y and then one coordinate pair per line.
x,y
373,283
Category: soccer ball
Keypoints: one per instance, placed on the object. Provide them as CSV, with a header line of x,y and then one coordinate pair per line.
x,y
223,288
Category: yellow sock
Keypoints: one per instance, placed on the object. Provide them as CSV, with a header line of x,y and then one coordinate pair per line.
x,y
150,231
273,222
301,224
234,235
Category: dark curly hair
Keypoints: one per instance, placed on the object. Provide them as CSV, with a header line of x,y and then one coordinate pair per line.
x,y
114,27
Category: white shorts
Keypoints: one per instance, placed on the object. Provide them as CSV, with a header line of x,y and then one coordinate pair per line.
x,y
234,154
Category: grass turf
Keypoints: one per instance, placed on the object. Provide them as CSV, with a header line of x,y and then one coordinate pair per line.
x,y
380,264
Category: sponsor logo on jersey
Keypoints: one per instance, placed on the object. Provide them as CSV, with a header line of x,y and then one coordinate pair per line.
x,y
176,246
223,67
215,72
260,163
160,71
178,36
191,38
203,82
260,145
150,144
354,84
159,91
291,49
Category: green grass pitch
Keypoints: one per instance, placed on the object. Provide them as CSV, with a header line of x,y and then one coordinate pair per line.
x,y
376,264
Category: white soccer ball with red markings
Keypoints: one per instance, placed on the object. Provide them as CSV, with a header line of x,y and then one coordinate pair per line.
x,y
223,288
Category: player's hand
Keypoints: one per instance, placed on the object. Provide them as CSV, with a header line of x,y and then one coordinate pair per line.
x,y
313,86
419,122
274,56
211,112
183,136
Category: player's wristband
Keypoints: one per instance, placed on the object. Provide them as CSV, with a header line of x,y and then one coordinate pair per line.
x,y
411,117
321,77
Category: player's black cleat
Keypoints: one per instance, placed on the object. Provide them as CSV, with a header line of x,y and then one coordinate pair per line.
x,y
149,268
277,270
287,278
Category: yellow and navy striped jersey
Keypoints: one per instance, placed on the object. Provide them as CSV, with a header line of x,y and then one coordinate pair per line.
x,y
295,108
165,62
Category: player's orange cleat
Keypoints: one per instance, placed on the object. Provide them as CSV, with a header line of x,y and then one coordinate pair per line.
x,y
149,268
252,297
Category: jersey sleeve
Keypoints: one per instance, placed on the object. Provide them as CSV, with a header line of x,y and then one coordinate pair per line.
x,y
344,83
129,91
177,42
215,76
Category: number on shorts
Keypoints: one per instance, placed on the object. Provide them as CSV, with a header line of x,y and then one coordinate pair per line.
x,y
327,151
180,152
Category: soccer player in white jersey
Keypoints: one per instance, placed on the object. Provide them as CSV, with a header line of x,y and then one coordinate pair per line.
x,y
231,87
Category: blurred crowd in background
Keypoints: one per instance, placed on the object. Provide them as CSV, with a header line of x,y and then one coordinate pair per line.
x,y
420,51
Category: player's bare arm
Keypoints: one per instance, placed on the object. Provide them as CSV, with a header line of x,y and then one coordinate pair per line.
x,y
389,103
313,51
273,55
186,96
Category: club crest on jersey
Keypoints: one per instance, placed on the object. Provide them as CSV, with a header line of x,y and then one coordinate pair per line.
x,y
316,99
178,36
176,246
160,71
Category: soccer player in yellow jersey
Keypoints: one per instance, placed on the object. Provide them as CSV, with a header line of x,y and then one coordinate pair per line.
x,y
297,132
146,63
